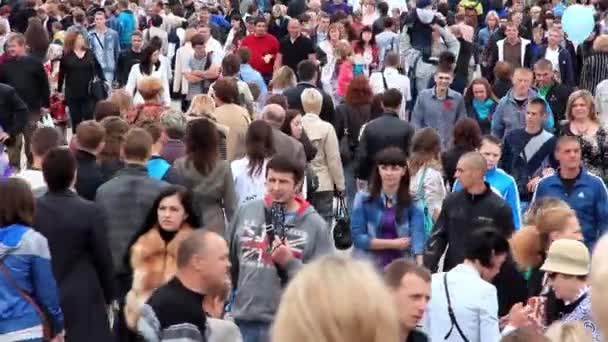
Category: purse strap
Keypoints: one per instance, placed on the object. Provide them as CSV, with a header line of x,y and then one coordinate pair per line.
x,y
420,190
7,274
453,320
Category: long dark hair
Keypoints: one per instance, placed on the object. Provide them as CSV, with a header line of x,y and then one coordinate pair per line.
x,y
145,66
259,145
392,156
202,144
468,94
360,44
151,220
290,114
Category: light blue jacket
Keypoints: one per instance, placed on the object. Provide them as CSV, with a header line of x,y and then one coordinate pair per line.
x,y
588,198
25,253
504,185
366,218
128,25
106,50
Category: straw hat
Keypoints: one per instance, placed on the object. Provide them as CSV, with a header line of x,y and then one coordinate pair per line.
x,y
568,257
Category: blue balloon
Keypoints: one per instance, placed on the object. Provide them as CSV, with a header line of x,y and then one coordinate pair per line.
x,y
578,22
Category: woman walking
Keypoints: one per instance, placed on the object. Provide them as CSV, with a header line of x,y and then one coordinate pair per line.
x,y
77,69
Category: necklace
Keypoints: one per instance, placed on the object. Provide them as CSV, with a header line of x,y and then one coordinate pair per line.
x,y
581,129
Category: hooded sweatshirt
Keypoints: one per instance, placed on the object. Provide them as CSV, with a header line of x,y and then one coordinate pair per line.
x,y
256,277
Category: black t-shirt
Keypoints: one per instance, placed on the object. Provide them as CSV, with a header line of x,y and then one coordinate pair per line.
x,y
295,52
569,182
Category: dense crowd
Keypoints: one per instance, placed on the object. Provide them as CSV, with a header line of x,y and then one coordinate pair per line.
x,y
303,170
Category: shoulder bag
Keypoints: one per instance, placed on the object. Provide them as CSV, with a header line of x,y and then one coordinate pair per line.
x,y
342,234
428,219
46,327
98,89
453,320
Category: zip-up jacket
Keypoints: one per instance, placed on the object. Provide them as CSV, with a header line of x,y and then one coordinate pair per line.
x,y
588,197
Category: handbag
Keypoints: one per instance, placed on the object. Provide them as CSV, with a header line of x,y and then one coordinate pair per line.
x,y
47,334
428,219
98,88
342,234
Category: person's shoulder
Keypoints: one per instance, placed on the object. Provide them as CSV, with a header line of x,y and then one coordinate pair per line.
x,y
221,330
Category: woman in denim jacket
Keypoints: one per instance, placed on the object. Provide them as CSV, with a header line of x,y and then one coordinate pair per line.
x,y
386,223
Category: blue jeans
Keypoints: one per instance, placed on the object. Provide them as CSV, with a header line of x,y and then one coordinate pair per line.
x,y
254,331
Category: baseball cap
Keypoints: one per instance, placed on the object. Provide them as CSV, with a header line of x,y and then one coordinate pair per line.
x,y
568,257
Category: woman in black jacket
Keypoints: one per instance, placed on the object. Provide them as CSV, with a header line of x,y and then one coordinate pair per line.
x,y
77,69
350,117
82,261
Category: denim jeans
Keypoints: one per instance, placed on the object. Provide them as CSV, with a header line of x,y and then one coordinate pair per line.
x,y
254,331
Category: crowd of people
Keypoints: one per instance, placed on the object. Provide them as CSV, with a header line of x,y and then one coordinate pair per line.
x,y
302,170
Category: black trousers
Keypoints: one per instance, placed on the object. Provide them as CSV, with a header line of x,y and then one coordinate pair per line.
x,y
80,110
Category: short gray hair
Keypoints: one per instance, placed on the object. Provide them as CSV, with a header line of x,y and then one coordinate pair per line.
x,y
174,123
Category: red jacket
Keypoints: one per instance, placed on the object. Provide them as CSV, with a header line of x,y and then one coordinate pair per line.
x,y
259,47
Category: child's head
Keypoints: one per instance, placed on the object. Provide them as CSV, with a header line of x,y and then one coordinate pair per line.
x,y
343,51
215,301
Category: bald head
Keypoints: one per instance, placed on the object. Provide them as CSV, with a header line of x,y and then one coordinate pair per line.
x,y
274,115
196,244
599,284
474,160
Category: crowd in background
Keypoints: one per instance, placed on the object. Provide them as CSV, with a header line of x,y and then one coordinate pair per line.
x,y
303,170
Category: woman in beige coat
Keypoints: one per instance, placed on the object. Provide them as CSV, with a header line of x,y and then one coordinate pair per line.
x,y
327,164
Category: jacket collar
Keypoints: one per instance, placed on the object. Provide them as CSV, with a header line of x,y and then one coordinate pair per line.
x,y
481,195
390,114
134,169
301,201
466,268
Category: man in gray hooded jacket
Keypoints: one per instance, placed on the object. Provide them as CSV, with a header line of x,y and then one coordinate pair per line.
x,y
270,239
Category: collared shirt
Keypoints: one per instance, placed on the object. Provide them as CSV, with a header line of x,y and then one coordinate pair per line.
x,y
249,74
440,114
475,305
393,80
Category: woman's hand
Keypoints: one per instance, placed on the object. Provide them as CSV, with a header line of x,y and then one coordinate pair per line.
x,y
402,243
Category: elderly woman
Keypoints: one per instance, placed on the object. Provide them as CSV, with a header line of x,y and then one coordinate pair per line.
x,y
150,89
327,163
595,66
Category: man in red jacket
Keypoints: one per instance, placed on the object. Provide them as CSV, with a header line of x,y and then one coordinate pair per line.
x,y
264,48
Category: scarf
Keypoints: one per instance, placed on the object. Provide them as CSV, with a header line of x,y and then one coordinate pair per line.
x,y
483,108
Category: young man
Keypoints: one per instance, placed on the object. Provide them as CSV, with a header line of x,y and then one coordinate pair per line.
x,y
527,153
466,293
231,67
583,191
510,111
159,168
556,94
264,48
127,22
270,239
202,69
129,57
439,107
90,136
127,198
27,76
387,40
562,62
249,74
175,308
105,44
13,118
308,75
411,288
390,77
500,181
385,131
44,139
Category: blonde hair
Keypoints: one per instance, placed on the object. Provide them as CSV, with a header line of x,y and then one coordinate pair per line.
x,y
528,244
343,50
599,284
150,87
585,95
600,43
568,332
336,299
312,101
201,105
122,99
189,34
283,78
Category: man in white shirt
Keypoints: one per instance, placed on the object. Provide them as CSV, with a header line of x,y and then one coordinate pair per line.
x,y
44,139
391,78
463,301
212,44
